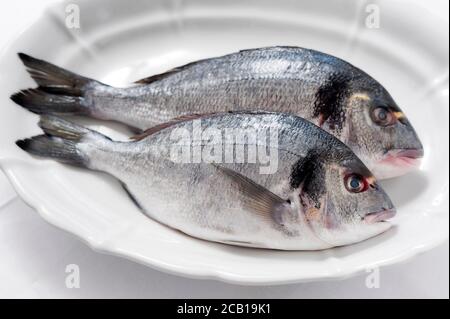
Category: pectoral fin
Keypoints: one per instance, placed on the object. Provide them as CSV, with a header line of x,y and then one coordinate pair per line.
x,y
257,198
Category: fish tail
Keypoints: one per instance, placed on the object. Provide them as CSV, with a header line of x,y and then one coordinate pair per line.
x,y
54,79
40,102
52,147
61,141
60,91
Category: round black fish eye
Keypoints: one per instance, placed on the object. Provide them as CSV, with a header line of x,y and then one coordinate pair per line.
x,y
382,116
355,183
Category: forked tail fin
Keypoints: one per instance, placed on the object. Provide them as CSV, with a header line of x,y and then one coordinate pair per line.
x,y
41,102
61,141
53,79
60,91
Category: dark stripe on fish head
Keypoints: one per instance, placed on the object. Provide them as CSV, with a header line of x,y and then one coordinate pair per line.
x,y
329,101
308,180
308,174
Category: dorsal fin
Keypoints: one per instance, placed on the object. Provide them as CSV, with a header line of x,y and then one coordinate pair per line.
x,y
158,77
188,117
168,73
159,127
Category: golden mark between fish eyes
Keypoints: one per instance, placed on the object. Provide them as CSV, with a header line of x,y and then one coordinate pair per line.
x,y
360,96
399,115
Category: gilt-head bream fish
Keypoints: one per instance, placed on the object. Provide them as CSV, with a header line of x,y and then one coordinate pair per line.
x,y
315,199
329,92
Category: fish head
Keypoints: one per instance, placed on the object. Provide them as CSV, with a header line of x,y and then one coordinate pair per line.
x,y
342,202
379,132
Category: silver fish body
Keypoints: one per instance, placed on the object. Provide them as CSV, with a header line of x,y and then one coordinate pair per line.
x,y
321,88
315,199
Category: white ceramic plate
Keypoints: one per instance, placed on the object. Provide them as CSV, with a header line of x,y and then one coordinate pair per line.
x,y
122,41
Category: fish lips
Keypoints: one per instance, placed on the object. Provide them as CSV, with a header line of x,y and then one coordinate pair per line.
x,y
397,162
380,216
412,153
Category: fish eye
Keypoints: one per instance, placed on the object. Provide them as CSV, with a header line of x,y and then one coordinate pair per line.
x,y
356,183
382,116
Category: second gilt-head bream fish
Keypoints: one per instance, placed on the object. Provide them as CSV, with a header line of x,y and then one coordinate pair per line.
x,y
315,199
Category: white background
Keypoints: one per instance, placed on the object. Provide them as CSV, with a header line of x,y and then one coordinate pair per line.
x,y
34,255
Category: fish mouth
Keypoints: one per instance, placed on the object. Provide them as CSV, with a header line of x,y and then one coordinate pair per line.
x,y
413,153
380,216
397,162
404,157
